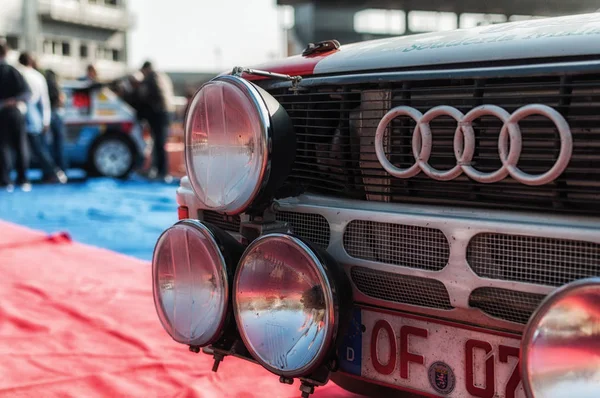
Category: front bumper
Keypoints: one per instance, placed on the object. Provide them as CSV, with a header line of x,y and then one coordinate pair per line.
x,y
485,268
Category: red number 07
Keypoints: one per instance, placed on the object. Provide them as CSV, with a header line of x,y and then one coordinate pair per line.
x,y
504,353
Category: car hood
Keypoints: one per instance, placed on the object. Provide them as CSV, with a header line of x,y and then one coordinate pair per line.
x,y
571,36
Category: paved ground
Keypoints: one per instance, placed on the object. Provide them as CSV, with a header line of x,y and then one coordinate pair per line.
x,y
124,216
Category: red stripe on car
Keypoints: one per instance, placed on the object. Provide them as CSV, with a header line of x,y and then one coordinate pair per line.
x,y
294,66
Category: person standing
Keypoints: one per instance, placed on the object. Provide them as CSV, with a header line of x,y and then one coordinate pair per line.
x,y
156,96
13,139
57,126
37,120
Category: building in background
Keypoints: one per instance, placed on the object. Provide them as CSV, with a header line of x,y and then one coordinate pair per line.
x,y
356,20
185,83
67,35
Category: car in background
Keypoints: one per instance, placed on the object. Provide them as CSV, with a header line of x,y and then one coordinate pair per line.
x,y
103,135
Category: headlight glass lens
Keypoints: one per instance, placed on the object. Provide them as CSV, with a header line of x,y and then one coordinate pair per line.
x,y
190,284
561,346
226,144
284,305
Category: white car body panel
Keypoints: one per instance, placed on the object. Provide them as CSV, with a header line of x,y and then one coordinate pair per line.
x,y
540,38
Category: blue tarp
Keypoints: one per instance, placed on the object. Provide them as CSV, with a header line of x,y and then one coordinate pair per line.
x,y
123,216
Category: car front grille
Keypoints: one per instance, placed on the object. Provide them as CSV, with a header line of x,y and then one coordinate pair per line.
x,y
533,259
335,155
227,223
401,288
404,245
312,227
516,258
505,304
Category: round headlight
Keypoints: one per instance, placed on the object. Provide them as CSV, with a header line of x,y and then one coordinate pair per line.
x,y
239,142
190,283
286,305
560,351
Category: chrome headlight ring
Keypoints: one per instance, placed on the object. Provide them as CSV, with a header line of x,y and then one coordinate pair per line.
x,y
290,303
560,350
240,145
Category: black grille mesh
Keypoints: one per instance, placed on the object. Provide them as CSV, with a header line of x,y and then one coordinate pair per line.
x,y
227,223
404,245
505,304
401,288
312,227
533,259
328,156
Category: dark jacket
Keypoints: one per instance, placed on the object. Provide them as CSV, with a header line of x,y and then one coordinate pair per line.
x,y
54,91
12,84
153,94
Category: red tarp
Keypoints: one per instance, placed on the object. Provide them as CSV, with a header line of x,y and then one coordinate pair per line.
x,y
77,321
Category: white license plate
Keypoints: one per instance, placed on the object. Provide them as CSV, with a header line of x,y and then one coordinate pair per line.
x,y
436,358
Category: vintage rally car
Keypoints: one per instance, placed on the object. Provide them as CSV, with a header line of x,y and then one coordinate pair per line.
x,y
420,213
103,134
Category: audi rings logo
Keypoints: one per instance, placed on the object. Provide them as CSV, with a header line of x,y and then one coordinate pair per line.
x,y
509,143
